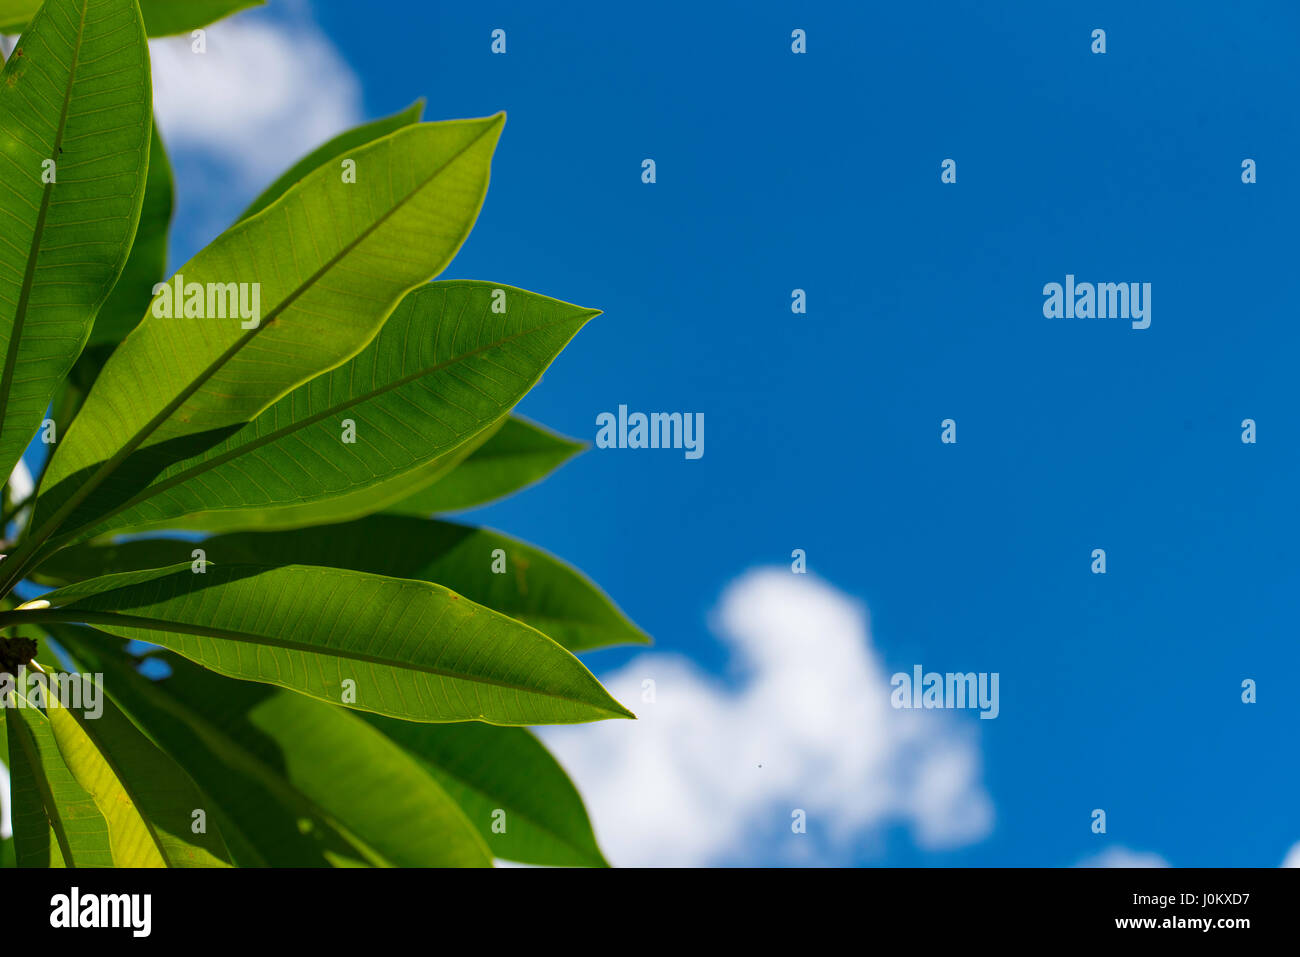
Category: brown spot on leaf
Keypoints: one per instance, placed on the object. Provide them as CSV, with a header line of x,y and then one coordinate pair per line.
x,y
15,652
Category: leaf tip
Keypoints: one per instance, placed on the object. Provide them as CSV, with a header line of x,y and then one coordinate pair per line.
x,y
622,712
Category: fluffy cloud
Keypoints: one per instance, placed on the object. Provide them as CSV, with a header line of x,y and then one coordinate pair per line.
x,y
1292,857
265,92
711,773
1123,857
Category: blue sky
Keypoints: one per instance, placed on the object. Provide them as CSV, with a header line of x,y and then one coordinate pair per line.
x,y
821,171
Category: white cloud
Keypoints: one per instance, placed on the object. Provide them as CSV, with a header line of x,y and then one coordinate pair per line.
x,y
1292,857
21,485
1123,857
683,784
265,92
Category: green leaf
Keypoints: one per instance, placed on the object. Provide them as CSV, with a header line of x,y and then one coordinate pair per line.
x,y
406,649
146,266
75,94
146,799
147,263
445,368
166,17
264,819
56,823
335,149
330,261
517,455
536,588
292,774
16,14
504,776
161,17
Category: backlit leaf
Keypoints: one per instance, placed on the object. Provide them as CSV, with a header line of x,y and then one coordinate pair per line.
x,y
74,139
